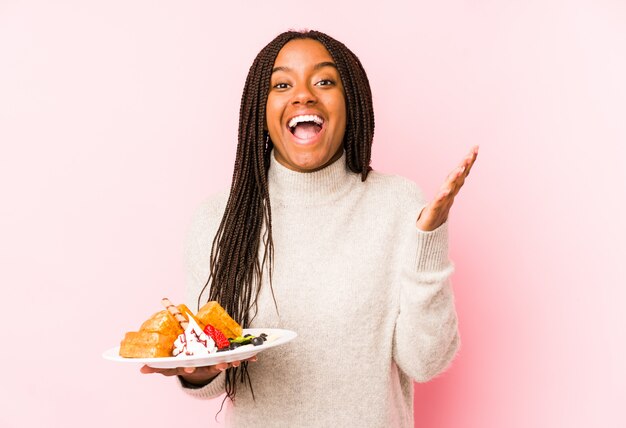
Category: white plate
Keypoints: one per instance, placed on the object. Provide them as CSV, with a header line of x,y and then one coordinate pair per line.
x,y
241,353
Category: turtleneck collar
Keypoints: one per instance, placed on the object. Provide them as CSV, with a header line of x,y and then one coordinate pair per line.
x,y
327,184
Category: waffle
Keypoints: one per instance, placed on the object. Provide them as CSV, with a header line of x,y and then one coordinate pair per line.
x,y
213,313
155,337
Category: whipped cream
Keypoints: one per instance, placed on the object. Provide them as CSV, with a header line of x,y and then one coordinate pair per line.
x,y
193,342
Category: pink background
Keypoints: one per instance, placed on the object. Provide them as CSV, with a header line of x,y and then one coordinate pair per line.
x,y
117,118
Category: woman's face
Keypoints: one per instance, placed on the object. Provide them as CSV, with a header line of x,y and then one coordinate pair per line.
x,y
306,108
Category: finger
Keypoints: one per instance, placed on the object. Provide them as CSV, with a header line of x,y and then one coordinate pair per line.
x,y
471,159
455,179
454,174
189,370
468,157
164,372
463,166
459,178
207,370
252,358
450,184
451,175
463,170
458,182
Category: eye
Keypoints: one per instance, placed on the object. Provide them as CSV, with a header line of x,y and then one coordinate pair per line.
x,y
281,85
325,82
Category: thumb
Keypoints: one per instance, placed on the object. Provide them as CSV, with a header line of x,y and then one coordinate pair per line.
x,y
422,211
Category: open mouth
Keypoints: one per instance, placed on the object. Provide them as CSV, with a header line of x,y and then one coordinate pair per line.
x,y
305,126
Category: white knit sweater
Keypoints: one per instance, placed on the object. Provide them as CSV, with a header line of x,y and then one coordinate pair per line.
x,y
367,292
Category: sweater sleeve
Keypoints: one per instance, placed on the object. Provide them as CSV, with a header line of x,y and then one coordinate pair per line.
x,y
212,390
426,336
197,253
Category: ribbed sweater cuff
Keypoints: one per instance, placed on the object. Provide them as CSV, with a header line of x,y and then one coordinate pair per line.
x,y
212,390
432,249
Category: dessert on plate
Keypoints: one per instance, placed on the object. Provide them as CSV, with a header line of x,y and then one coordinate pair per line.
x,y
176,331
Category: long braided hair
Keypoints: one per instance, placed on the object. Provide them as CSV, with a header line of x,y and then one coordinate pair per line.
x,y
236,272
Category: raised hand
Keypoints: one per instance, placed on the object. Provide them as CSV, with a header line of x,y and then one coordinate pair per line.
x,y
436,212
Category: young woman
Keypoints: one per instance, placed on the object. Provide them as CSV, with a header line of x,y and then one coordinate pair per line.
x,y
310,239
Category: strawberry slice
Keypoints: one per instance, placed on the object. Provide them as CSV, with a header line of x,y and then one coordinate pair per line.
x,y
218,337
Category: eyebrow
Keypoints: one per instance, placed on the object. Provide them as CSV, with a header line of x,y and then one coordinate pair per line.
x,y
315,67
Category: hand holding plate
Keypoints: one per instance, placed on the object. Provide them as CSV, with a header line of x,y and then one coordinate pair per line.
x,y
199,376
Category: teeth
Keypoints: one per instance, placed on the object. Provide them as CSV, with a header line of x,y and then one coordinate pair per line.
x,y
305,118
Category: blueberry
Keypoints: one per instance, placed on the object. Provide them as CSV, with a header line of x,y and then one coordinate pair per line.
x,y
256,341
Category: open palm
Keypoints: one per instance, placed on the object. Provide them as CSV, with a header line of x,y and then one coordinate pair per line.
x,y
436,212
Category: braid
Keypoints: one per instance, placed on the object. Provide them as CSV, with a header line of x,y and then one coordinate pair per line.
x,y
359,132
235,270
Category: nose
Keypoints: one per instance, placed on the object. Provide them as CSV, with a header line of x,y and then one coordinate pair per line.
x,y
303,95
